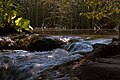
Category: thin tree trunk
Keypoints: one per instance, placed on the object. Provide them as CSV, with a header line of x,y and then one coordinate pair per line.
x,y
119,30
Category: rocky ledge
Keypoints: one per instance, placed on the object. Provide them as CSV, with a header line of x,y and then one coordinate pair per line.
x,y
106,62
28,42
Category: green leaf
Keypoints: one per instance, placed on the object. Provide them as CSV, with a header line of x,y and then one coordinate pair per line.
x,y
17,22
23,23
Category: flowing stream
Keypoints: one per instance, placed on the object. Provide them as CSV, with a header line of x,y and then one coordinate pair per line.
x,y
25,65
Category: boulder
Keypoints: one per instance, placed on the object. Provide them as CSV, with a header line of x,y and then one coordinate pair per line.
x,y
103,50
29,42
44,44
106,65
102,69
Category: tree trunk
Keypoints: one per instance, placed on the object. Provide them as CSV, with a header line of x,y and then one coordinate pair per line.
x,y
118,30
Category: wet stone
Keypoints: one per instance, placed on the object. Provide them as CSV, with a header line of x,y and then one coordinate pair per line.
x,y
30,65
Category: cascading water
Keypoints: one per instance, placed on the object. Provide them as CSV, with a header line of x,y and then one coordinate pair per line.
x,y
25,65
34,63
79,47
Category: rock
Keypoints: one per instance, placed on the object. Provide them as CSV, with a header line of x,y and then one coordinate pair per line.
x,y
103,50
63,71
102,69
44,44
37,65
73,40
116,42
30,42
7,68
106,65
68,78
5,42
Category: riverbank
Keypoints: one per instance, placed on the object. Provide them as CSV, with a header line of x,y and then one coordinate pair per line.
x,y
84,33
57,31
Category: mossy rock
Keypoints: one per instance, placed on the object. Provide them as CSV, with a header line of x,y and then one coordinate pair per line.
x,y
44,44
30,42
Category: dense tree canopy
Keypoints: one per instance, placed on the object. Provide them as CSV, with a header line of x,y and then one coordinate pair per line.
x,y
99,9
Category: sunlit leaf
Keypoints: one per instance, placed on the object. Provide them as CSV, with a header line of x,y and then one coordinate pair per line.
x,y
17,22
23,23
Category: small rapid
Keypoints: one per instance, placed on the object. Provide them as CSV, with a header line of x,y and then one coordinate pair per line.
x,y
26,65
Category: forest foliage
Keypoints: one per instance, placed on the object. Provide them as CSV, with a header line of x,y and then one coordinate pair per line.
x,y
10,19
65,14
72,13
97,10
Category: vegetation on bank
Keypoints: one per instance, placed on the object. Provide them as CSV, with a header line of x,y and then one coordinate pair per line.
x,y
10,18
69,13
65,14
